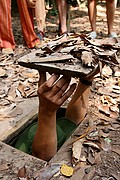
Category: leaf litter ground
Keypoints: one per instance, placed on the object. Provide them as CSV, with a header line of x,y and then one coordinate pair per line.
x,y
18,83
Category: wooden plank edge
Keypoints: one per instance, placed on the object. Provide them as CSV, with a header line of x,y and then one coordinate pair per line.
x,y
20,126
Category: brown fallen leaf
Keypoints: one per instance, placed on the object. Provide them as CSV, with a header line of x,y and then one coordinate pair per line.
x,y
17,111
116,151
83,135
115,125
114,108
2,72
106,144
105,90
89,175
22,173
7,109
31,93
76,152
103,133
91,144
86,58
117,177
91,157
80,173
4,166
21,88
12,91
110,99
104,109
116,91
93,134
29,74
98,158
48,171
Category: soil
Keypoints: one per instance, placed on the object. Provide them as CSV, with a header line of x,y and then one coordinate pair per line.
x,y
109,167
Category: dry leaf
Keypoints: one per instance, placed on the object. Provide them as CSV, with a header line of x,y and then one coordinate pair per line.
x,y
30,73
7,109
98,158
105,90
4,166
12,91
116,151
47,172
31,93
32,80
116,91
3,90
116,87
10,98
17,111
76,150
22,173
91,156
89,175
86,58
104,109
21,88
2,72
102,134
110,99
114,108
115,125
66,170
106,144
93,134
91,144
117,177
79,174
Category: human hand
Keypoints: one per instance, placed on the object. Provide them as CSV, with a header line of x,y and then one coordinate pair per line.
x,y
53,92
89,78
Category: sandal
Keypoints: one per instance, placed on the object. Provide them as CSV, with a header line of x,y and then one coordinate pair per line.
x,y
112,35
63,36
38,45
7,51
92,35
41,35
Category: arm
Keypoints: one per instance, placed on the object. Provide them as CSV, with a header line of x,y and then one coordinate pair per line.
x,y
78,105
52,94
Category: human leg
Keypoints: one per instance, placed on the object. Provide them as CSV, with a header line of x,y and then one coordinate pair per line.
x,y
40,14
27,24
40,18
6,35
92,12
62,12
110,12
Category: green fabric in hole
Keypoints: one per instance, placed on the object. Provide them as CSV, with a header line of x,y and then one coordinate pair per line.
x,y
66,125
24,142
64,129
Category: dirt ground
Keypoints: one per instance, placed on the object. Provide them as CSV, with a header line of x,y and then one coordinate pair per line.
x,y
109,166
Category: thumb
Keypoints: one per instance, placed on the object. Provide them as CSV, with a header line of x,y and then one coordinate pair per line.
x,y
95,71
